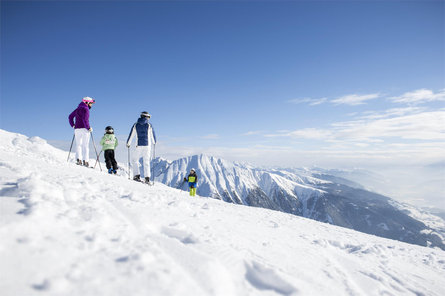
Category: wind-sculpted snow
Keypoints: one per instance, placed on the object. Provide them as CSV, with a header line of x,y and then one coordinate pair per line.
x,y
69,230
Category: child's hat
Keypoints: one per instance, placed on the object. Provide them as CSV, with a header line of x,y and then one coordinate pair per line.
x,y
109,129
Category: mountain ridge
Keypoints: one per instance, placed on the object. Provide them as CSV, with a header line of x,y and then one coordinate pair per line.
x,y
314,195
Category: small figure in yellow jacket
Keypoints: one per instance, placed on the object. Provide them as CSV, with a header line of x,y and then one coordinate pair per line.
x,y
192,179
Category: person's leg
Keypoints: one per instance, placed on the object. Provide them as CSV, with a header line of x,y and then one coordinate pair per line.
x,y
79,139
113,160
86,145
108,155
135,161
146,158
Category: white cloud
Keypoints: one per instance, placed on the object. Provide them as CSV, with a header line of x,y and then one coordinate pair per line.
x,y
311,102
354,99
253,133
394,124
307,133
420,96
311,133
300,101
389,113
210,137
421,126
318,101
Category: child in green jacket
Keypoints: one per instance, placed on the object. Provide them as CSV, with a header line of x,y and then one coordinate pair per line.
x,y
109,143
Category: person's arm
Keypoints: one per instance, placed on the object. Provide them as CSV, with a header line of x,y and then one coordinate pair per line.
x,y
131,135
115,144
152,134
71,118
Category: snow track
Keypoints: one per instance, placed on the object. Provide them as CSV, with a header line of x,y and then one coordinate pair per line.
x,y
68,230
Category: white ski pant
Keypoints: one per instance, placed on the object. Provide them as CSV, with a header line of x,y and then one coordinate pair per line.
x,y
141,153
82,136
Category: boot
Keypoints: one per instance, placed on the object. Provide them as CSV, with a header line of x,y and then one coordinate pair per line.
x,y
137,178
110,171
79,162
147,180
85,163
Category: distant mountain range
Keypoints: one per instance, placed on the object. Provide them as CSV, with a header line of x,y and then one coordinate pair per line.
x,y
320,195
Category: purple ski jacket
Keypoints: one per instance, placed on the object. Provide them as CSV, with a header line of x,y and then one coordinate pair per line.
x,y
82,115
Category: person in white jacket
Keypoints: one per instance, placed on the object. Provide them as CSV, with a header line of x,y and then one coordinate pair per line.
x,y
145,141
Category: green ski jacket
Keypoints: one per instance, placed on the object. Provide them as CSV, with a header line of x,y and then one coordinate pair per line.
x,y
109,141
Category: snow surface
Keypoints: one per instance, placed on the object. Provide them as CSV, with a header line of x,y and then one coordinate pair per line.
x,y
69,230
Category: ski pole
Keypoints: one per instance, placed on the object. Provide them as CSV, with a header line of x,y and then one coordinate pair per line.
x,y
152,167
70,148
129,167
97,159
92,139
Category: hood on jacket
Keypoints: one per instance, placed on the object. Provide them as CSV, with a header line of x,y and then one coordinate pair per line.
x,y
82,105
142,120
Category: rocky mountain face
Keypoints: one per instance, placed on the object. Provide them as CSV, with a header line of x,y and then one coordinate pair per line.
x,y
322,197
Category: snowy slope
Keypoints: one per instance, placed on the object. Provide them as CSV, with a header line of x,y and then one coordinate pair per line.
x,y
69,230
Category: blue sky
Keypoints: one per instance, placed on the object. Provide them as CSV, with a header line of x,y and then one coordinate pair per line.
x,y
329,83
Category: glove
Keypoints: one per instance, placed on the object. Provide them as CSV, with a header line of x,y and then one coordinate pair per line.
x,y
185,179
128,145
90,129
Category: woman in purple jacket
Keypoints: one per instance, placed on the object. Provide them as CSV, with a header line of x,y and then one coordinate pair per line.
x,y
80,121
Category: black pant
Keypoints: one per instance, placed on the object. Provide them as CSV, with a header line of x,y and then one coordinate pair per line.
x,y
109,159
